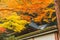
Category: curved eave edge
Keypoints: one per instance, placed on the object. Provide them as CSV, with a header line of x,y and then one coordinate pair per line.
x,y
38,32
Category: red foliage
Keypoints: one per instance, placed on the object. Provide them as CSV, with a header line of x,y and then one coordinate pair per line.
x,y
2,30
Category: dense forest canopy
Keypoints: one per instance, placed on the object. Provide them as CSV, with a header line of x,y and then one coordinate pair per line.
x,y
16,14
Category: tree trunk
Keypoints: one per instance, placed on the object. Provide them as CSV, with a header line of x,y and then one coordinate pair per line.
x,y
57,7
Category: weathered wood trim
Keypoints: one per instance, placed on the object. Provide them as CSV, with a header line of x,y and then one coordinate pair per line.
x,y
41,34
38,33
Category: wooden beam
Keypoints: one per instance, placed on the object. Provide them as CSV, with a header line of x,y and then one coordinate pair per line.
x,y
57,7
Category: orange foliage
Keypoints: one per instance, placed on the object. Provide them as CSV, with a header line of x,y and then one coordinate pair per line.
x,y
30,6
5,13
24,17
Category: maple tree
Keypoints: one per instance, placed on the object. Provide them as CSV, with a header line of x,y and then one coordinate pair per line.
x,y
27,10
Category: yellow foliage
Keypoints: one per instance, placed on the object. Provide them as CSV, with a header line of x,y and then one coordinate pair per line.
x,y
6,25
14,23
18,27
